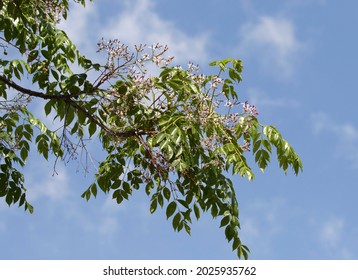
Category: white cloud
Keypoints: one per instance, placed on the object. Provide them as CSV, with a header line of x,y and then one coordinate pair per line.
x,y
79,26
263,222
108,225
43,183
331,232
336,239
137,22
345,134
273,42
261,99
108,222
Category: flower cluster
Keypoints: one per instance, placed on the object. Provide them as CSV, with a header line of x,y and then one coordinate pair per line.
x,y
117,53
216,81
249,109
121,61
53,9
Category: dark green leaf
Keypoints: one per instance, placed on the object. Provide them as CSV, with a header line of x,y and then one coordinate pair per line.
x,y
187,228
229,232
236,243
214,210
94,190
172,206
160,200
92,128
9,198
184,203
196,211
225,221
166,193
24,153
176,221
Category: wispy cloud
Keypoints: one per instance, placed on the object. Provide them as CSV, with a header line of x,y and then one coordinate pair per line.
x,y
323,123
44,183
80,26
263,223
273,42
345,134
137,22
336,237
261,99
331,232
108,225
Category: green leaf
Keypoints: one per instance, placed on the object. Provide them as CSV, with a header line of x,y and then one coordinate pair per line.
x,y
9,198
160,199
126,187
229,232
267,145
22,200
149,187
153,206
122,90
46,54
196,211
166,193
257,145
176,221
24,154
119,199
236,243
172,206
92,129
32,56
94,190
214,210
234,75
29,207
184,203
48,107
225,220
84,194
187,228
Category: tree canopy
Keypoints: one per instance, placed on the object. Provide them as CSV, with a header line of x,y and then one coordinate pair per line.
x,y
177,135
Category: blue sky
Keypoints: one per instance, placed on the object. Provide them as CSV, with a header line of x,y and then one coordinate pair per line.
x,y
300,67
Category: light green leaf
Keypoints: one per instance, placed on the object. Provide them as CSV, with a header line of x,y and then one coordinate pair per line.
x,y
153,206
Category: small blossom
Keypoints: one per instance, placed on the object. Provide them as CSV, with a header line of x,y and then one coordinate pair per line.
x,y
215,81
246,146
228,104
249,109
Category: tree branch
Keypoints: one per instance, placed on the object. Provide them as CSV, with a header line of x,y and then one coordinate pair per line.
x,y
72,103
36,93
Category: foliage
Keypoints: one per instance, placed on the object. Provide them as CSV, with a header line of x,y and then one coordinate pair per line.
x,y
175,135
